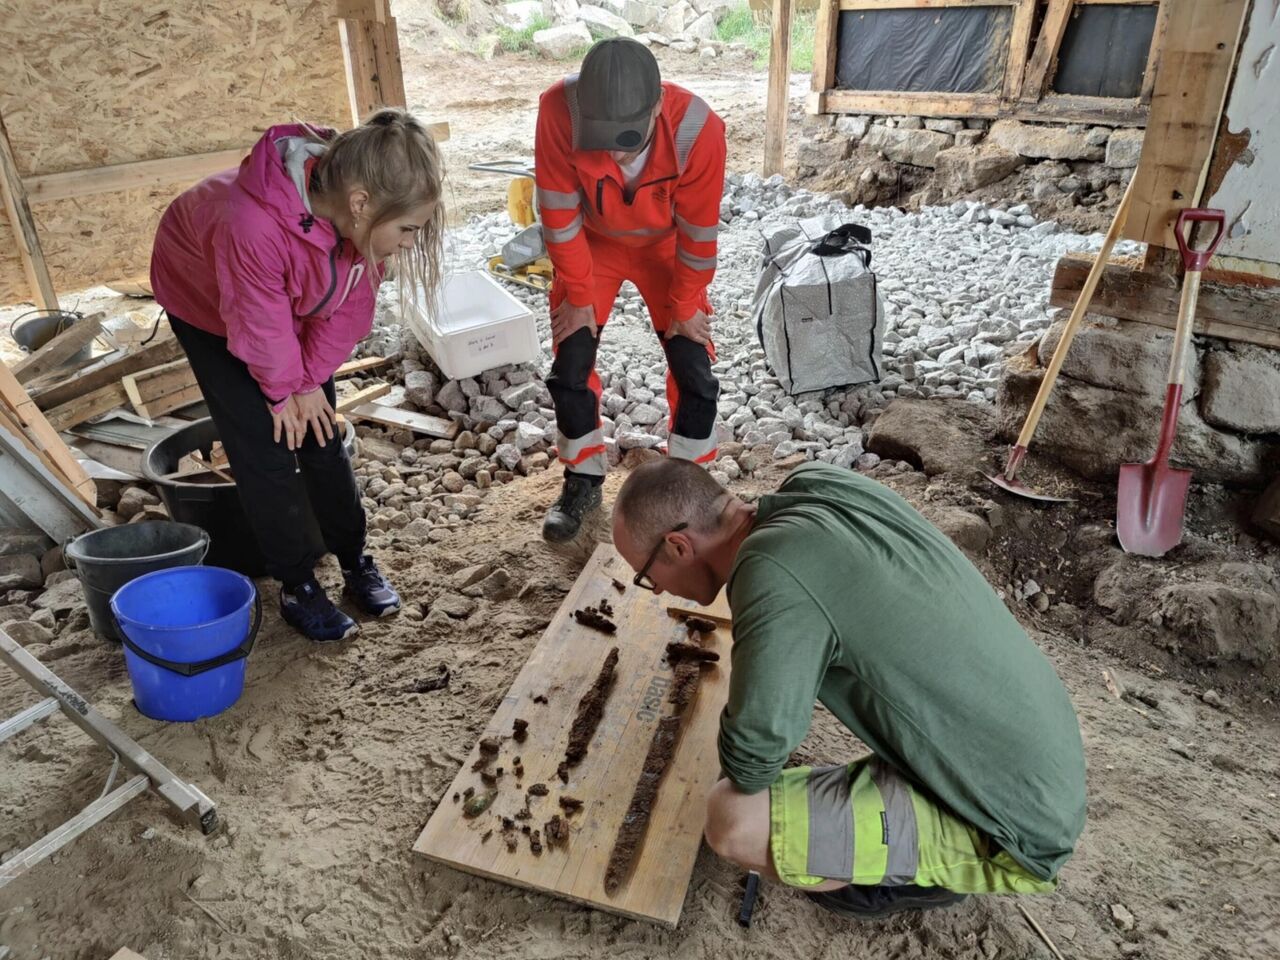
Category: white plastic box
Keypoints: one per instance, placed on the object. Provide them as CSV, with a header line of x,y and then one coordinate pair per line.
x,y
477,326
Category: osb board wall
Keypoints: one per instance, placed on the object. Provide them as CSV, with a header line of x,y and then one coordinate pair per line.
x,y
87,83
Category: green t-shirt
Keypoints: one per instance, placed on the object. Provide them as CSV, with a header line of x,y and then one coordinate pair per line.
x,y
842,593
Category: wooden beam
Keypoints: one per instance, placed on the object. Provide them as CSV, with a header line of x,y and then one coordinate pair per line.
x,y
86,407
23,227
826,33
58,350
159,390
22,411
1126,291
386,57
1200,47
775,113
1019,43
893,103
1041,65
141,174
1075,108
108,373
920,4
362,10
367,395
1153,54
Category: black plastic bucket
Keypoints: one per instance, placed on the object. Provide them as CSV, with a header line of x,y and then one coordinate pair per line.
x,y
34,332
215,506
105,560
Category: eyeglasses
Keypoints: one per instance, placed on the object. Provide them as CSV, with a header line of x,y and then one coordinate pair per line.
x,y
642,579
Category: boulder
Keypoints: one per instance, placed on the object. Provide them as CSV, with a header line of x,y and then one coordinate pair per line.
x,y
420,388
942,125
61,598
821,154
1241,387
970,138
133,501
702,28
13,540
564,11
1124,148
678,16
521,13
1043,142
1120,355
1218,621
919,148
556,43
968,531
718,9
20,571
962,169
936,436
635,12
1093,430
855,128
27,632
603,23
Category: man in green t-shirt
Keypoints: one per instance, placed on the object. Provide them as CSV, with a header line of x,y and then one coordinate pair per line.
x,y
843,594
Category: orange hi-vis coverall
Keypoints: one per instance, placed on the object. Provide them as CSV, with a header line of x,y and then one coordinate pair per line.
x,y
660,234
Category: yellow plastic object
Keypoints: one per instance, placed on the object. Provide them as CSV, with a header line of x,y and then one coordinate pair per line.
x,y
520,206
536,275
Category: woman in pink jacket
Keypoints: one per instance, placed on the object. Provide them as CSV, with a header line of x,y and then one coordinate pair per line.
x,y
269,274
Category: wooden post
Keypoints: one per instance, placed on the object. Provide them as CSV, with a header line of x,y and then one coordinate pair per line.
x,y
824,55
1040,66
23,226
371,54
1200,46
775,115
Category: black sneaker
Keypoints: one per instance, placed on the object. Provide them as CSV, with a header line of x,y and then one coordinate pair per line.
x,y
306,608
370,590
870,903
578,498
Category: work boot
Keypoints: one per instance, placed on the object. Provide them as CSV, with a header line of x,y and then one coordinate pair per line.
x,y
370,590
578,497
308,609
859,902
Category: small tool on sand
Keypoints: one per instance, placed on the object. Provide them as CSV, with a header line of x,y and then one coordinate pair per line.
x,y
749,898
1008,480
1152,496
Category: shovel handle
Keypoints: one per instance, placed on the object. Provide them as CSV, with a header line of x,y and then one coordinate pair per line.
x,y
1192,258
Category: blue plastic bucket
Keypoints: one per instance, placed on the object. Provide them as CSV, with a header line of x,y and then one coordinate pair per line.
x,y
187,632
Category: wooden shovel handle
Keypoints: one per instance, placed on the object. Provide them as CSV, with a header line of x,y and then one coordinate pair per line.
x,y
1077,315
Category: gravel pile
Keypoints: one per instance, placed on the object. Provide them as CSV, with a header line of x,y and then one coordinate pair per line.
x,y
962,285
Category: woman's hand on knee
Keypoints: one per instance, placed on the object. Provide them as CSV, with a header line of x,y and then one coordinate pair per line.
x,y
316,414
287,424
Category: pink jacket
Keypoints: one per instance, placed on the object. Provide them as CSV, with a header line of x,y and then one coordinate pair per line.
x,y
240,255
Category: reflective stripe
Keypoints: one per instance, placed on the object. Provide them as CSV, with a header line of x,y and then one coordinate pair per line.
x,y
691,124
600,228
565,233
571,101
900,825
830,826
556,200
586,454
696,233
695,263
686,448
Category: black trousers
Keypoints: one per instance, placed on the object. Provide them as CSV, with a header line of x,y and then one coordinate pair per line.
x,y
277,486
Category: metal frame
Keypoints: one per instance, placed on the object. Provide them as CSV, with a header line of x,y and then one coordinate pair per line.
x,y
1027,89
186,799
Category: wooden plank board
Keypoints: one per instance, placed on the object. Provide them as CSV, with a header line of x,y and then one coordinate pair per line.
x,y
775,114
23,226
159,390
354,367
44,438
39,494
1040,67
109,372
1200,45
59,349
717,612
138,175
406,419
93,404
366,395
1230,311
562,666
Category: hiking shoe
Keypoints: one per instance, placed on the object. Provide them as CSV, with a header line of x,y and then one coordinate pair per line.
x,y
306,608
870,903
370,590
578,497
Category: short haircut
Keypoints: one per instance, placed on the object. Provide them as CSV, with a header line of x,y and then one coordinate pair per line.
x,y
662,494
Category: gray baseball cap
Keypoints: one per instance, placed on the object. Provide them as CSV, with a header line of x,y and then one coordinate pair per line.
x,y
618,87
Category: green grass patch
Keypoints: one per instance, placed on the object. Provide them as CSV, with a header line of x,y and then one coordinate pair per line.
x,y
744,25
521,41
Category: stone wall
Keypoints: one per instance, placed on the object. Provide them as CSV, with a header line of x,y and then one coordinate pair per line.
x,y
1105,409
917,161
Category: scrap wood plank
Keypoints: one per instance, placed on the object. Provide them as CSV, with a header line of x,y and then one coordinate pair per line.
x,y
717,611
95,404
562,666
13,192
158,390
405,419
365,395
42,437
59,349
363,365
108,373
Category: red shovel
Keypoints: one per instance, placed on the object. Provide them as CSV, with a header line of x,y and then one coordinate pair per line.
x,y
1152,497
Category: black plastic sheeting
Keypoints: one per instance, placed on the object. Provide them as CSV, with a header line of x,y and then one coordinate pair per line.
x,y
1104,50
943,49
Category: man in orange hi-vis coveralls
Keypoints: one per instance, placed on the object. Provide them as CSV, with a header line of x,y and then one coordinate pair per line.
x,y
629,175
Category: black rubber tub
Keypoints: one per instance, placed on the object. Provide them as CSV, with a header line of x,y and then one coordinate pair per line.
x,y
215,506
